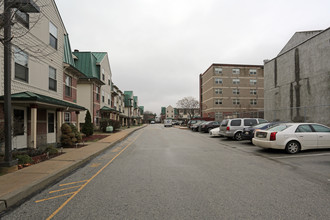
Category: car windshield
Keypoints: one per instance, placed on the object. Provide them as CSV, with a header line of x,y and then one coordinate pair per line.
x,y
279,127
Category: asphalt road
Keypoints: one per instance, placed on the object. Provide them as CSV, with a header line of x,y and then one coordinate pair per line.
x,y
171,173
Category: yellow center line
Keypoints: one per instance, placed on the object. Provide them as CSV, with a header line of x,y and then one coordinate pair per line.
x,y
72,187
42,200
65,184
85,184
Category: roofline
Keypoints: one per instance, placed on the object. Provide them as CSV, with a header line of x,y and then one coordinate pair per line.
x,y
235,65
298,44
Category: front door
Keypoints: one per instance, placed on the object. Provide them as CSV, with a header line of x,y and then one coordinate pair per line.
x,y
19,128
51,134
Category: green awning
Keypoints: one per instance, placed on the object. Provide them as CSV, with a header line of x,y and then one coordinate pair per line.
x,y
107,109
34,98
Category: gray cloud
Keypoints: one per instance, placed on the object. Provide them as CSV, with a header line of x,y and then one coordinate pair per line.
x,y
159,48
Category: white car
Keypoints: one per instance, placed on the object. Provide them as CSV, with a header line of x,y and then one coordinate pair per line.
x,y
215,132
293,137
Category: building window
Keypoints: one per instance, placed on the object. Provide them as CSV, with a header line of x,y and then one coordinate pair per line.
x,y
109,82
97,93
253,101
218,91
253,91
68,85
218,115
236,71
218,70
218,81
103,96
21,65
253,72
51,122
236,91
67,117
52,79
236,81
218,101
22,18
253,82
236,102
52,35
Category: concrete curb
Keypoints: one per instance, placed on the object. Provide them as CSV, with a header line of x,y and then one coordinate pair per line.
x,y
15,197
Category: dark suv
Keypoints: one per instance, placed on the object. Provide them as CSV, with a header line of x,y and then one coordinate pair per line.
x,y
209,126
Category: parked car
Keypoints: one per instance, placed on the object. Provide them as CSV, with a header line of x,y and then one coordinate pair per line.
x,y
195,126
215,132
233,128
192,122
152,122
293,137
168,123
206,127
248,133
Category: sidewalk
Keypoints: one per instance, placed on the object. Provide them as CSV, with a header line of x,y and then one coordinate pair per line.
x,y
17,186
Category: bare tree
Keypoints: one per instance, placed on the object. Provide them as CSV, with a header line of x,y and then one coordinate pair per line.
x,y
190,104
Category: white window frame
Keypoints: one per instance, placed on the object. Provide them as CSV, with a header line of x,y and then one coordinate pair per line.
x,y
253,82
218,91
21,59
218,81
218,101
236,71
253,72
67,117
236,101
52,78
253,92
217,70
236,91
53,31
253,101
236,81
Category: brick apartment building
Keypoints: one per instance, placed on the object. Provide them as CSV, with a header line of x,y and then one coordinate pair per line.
x,y
232,90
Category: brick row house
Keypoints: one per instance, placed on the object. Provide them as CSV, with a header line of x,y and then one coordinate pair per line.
x,y
50,84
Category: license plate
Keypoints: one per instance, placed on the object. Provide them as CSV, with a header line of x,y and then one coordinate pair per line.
x,y
261,135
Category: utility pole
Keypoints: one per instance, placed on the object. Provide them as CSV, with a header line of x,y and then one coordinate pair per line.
x,y
24,6
8,162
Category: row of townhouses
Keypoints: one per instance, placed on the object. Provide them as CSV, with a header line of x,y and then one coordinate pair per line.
x,y
52,85
293,86
182,114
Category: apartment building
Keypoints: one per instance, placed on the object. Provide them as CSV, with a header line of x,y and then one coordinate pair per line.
x,y
94,87
41,62
297,80
187,114
232,90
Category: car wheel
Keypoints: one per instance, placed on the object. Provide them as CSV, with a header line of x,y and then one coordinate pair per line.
x,y
292,147
238,136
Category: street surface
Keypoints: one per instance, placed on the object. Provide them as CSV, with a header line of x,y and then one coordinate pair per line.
x,y
172,173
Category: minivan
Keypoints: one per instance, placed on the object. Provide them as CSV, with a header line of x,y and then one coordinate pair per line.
x,y
233,128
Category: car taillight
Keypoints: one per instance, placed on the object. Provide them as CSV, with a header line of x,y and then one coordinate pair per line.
x,y
227,128
272,136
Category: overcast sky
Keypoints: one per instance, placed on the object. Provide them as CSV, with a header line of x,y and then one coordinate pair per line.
x,y
158,48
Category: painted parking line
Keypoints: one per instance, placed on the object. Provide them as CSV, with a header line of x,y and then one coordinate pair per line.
x,y
55,197
89,180
301,156
59,190
65,184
